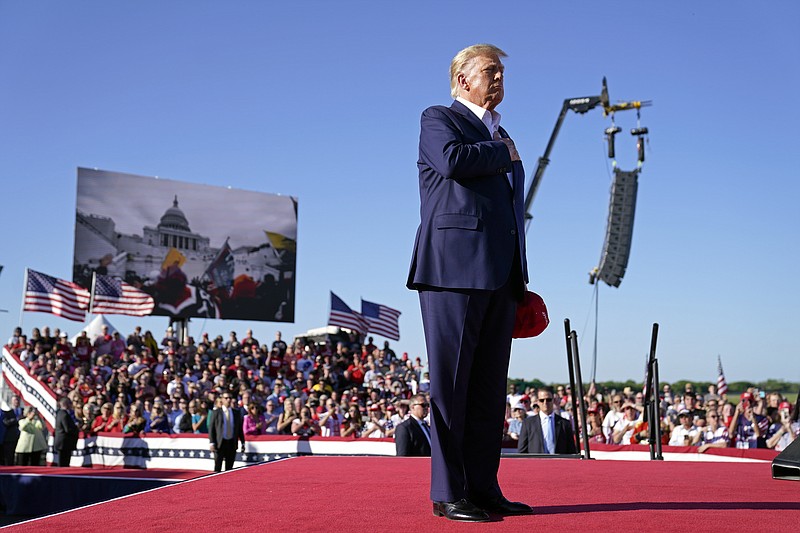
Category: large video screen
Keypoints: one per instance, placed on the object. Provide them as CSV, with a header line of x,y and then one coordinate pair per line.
x,y
198,250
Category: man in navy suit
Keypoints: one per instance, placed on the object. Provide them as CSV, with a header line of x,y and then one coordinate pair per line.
x,y
66,433
224,431
412,438
470,270
546,432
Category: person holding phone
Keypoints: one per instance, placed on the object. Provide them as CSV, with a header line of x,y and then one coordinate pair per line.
x,y
748,428
686,433
32,441
786,430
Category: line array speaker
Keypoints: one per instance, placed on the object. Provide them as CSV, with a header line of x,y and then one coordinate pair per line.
x,y
619,231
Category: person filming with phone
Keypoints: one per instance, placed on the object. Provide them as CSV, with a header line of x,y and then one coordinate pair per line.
x,y
748,429
782,430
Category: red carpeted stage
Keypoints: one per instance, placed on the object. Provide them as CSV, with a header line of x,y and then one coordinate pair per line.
x,y
390,493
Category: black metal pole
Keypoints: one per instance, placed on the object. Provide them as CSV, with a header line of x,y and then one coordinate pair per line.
x,y
182,329
650,410
573,390
652,396
653,341
582,405
657,409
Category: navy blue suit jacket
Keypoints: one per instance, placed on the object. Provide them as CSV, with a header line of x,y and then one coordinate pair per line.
x,y
410,439
531,438
66,431
216,427
471,221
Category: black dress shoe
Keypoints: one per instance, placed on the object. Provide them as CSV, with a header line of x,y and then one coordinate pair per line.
x,y
504,507
462,510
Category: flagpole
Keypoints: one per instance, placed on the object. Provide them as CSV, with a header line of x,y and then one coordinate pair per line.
x,y
91,294
366,333
330,306
24,290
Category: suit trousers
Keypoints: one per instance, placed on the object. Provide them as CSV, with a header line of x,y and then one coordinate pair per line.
x,y
64,456
227,452
468,339
8,453
29,458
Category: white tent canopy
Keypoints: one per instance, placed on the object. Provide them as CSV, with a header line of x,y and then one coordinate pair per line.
x,y
94,328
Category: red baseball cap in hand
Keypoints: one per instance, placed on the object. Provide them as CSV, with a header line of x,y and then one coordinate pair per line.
x,y
531,317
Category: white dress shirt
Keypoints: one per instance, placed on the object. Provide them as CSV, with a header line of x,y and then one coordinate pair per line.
x,y
425,428
490,119
548,432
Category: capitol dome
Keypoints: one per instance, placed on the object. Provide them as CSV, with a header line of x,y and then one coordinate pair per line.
x,y
174,218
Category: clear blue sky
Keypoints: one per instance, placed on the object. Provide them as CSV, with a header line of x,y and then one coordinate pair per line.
x,y
321,100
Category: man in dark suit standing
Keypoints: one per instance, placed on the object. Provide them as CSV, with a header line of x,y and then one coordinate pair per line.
x,y
9,430
470,270
224,432
546,432
412,438
65,439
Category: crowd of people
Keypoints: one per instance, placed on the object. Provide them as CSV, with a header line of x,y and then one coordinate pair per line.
x,y
689,417
138,384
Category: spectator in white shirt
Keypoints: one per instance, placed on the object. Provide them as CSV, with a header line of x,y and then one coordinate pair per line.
x,y
685,434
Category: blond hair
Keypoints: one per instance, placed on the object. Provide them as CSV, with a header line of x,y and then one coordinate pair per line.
x,y
460,61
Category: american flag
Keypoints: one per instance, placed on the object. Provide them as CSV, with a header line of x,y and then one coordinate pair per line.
x,y
344,317
382,320
221,270
47,294
722,385
115,297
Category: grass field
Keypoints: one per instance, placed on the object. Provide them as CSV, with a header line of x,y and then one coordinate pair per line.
x,y
791,397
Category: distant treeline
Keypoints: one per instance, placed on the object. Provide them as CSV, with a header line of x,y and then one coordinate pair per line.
x,y
735,387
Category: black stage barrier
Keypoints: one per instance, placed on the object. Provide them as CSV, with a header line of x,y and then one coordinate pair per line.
x,y
787,464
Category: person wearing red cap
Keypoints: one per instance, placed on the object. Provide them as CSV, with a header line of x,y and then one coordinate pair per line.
x,y
595,426
525,400
748,428
376,425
